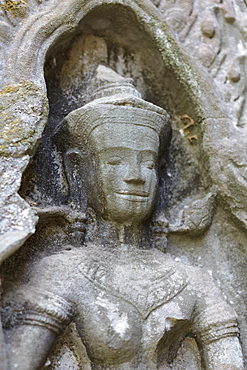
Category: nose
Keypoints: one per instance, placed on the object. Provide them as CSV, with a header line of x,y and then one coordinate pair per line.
x,y
134,173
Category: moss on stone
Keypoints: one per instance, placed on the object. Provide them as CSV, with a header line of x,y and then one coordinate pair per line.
x,y
14,88
23,115
8,89
17,7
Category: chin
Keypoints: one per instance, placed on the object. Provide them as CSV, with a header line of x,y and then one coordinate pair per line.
x,y
130,213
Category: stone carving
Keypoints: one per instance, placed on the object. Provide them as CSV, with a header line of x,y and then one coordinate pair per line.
x,y
24,30
132,304
203,188
214,32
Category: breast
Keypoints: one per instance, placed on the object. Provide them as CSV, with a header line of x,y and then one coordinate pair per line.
x,y
121,319
110,328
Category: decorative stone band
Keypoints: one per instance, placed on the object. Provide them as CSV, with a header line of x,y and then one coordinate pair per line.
x,y
40,319
36,307
222,330
216,322
145,291
125,87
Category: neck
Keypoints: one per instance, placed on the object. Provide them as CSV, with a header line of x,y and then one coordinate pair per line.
x,y
116,235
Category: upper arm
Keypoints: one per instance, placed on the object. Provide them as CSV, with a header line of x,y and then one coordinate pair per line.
x,y
215,326
223,354
33,315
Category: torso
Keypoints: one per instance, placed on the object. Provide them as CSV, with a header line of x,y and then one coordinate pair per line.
x,y
133,307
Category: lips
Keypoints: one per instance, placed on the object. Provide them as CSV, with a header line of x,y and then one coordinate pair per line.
x,y
138,193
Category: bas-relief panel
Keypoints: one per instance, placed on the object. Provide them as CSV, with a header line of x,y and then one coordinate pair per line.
x,y
184,212
214,32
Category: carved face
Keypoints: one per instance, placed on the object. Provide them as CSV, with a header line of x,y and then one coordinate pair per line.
x,y
126,162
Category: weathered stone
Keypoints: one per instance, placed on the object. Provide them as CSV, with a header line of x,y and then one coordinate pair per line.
x,y
200,213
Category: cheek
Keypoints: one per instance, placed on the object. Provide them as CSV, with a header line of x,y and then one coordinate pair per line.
x,y
111,176
152,179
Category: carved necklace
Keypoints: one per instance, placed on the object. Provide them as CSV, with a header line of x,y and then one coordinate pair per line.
x,y
146,279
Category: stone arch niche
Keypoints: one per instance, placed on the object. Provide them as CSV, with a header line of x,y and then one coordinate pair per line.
x,y
51,60
23,76
110,35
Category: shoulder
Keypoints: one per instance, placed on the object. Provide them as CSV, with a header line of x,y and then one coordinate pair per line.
x,y
208,295
55,273
198,280
59,263
201,281
45,300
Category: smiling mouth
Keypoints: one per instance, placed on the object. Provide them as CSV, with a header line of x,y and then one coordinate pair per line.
x,y
138,193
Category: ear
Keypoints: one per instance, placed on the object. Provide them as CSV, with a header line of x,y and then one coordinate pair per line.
x,y
74,168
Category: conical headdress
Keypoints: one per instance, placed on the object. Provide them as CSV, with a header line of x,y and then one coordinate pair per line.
x,y
115,100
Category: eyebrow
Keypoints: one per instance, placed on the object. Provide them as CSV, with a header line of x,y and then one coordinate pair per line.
x,y
144,151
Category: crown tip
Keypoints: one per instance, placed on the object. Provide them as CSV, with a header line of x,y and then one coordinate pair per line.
x,y
107,82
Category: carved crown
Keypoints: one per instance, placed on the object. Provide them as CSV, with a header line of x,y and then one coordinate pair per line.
x,y
113,99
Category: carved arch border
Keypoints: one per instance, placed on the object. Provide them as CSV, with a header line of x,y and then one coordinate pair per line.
x,y
29,48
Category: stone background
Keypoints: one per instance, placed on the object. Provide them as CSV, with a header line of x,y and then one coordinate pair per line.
x,y
48,56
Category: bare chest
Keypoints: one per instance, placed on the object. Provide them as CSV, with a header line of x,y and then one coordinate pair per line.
x,y
129,307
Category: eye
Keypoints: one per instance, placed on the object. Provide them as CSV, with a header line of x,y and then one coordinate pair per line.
x,y
150,164
114,161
